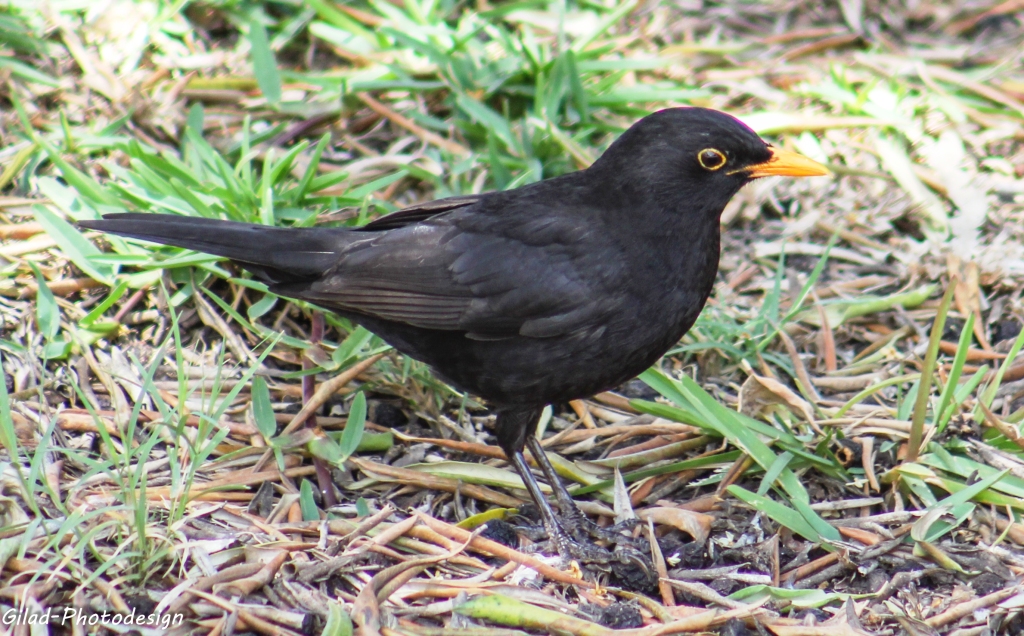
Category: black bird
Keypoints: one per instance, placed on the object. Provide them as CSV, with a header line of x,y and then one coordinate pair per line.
x,y
547,293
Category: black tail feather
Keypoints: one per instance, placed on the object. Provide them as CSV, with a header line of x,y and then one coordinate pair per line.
x,y
278,255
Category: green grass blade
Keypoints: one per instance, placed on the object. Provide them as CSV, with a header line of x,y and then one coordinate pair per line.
x,y
306,503
47,312
956,370
264,64
990,392
777,512
77,248
354,427
262,412
927,371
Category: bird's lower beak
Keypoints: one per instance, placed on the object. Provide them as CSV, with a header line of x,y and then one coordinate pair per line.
x,y
786,164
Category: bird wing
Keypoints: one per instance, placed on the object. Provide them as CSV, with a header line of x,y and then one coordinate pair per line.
x,y
419,212
491,277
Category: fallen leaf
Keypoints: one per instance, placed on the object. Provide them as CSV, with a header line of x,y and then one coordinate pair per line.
x,y
759,396
695,524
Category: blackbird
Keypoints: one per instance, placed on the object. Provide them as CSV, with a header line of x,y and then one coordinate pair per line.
x,y
551,292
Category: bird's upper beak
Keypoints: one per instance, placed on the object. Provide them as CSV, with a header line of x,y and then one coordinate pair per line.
x,y
787,164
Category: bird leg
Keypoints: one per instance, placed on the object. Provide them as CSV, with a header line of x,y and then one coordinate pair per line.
x,y
573,520
569,547
552,525
570,536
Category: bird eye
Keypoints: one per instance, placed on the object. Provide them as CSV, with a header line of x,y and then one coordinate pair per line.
x,y
711,159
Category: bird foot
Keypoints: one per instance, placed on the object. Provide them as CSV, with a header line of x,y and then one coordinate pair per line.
x,y
580,527
605,560
574,537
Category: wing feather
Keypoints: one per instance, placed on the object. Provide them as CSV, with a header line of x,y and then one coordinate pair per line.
x,y
419,212
453,272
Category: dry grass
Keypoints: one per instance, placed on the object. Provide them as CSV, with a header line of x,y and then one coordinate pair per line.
x,y
833,449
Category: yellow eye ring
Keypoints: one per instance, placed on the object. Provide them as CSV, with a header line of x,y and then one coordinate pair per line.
x,y
711,159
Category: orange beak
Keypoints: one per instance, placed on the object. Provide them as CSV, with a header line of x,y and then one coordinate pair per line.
x,y
784,163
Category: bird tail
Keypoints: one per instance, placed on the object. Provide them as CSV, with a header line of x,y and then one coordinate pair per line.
x,y
277,255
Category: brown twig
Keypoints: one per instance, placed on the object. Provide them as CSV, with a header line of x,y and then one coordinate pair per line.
x,y
404,122
496,549
960,610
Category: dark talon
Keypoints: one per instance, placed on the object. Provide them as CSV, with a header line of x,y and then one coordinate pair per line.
x,y
571,533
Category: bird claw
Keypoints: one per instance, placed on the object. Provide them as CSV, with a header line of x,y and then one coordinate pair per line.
x,y
595,557
584,552
581,528
578,546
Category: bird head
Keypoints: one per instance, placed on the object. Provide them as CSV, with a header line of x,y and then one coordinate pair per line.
x,y
694,159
